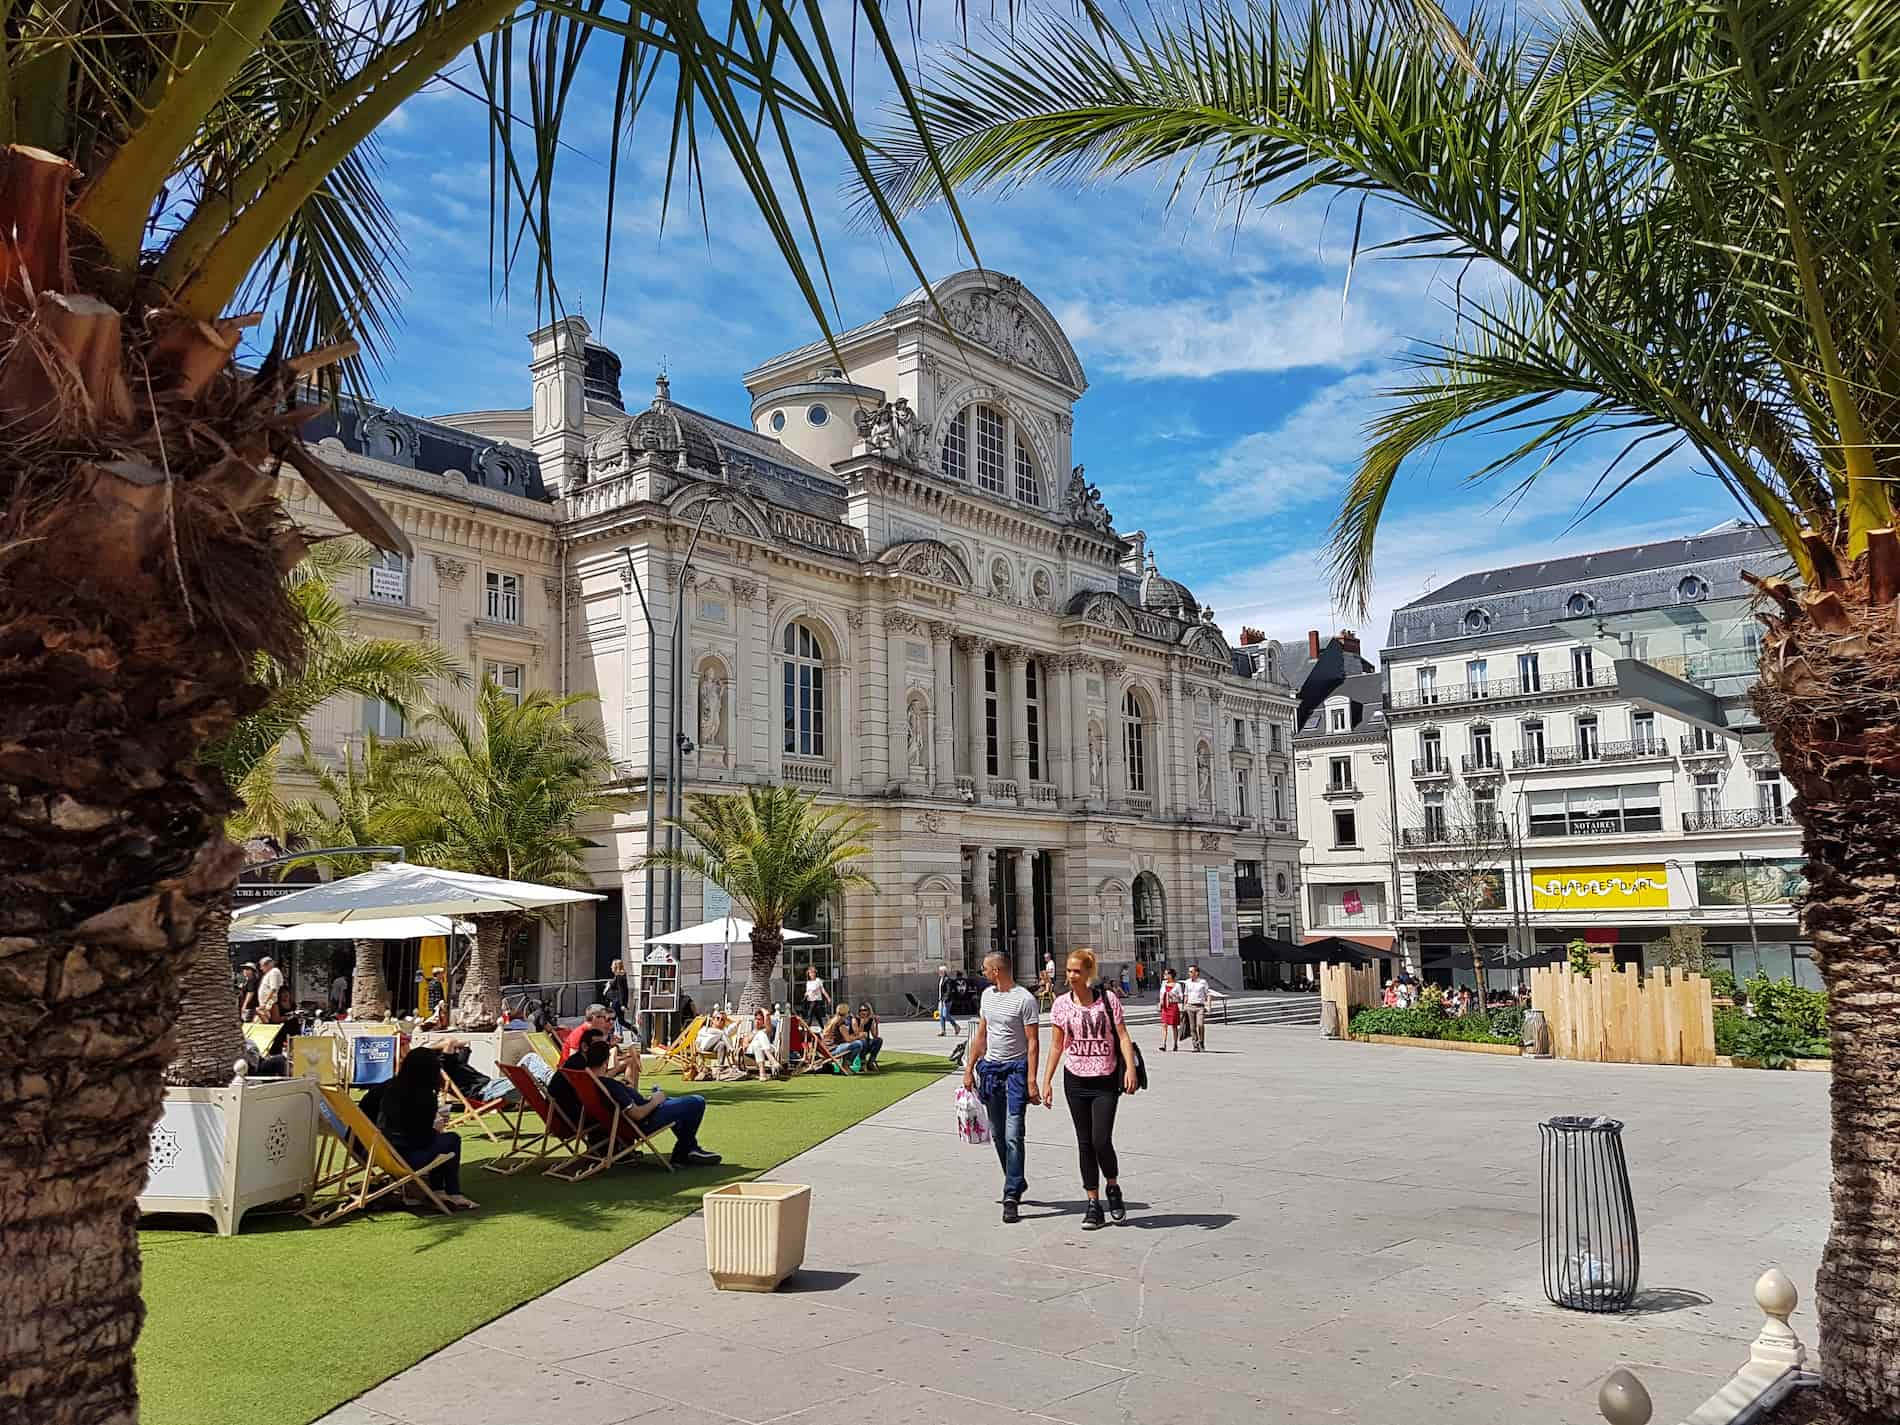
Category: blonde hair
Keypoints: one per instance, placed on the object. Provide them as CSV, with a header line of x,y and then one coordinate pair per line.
x,y
1087,957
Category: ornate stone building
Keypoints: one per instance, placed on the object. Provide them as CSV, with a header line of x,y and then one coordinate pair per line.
x,y
895,589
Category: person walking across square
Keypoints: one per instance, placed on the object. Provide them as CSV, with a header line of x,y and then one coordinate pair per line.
x,y
1194,998
944,1017
1098,1069
1170,1012
1001,1070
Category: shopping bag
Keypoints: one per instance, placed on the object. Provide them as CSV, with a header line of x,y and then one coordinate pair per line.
x,y
973,1122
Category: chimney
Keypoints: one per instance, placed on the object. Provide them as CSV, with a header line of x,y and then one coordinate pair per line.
x,y
559,369
1312,644
1349,641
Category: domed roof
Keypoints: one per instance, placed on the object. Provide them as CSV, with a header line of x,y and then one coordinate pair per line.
x,y
1167,596
663,429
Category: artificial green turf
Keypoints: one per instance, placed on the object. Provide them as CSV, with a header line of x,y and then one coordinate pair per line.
x,y
283,1322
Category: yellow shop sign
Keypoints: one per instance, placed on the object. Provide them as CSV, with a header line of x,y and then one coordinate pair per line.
x,y
1644,887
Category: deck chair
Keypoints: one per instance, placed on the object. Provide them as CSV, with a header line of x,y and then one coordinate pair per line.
x,y
818,1057
316,1056
367,1169
557,1143
470,1113
682,1051
611,1135
263,1035
917,1010
547,1046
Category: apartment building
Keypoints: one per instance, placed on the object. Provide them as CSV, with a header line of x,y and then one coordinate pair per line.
x,y
1593,710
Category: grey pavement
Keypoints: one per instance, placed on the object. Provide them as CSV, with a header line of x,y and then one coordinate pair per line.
x,y
1317,1232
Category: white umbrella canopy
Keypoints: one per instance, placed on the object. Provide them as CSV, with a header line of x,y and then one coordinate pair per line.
x,y
406,890
727,930
402,927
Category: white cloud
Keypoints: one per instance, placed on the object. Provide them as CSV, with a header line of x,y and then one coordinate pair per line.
x,y
1306,457
1264,326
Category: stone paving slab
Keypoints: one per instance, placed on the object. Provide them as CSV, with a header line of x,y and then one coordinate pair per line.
x,y
1319,1232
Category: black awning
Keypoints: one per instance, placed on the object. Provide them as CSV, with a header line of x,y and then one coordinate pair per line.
x,y
1330,951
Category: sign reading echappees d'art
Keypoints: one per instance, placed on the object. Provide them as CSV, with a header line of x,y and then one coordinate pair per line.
x,y
1639,887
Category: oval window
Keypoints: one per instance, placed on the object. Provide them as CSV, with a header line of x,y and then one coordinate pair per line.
x,y
1477,621
1279,884
817,415
1581,604
1692,588
778,420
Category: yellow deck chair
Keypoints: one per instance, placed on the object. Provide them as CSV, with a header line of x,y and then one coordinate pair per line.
x,y
681,1050
314,1056
263,1035
547,1046
361,1166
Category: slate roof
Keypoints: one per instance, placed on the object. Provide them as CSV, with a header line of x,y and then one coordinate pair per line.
x,y
430,446
1334,667
1724,543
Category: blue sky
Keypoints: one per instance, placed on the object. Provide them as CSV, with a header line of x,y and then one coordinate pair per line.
x,y
1228,381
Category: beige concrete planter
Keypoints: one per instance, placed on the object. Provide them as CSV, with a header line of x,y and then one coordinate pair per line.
x,y
755,1233
1461,1046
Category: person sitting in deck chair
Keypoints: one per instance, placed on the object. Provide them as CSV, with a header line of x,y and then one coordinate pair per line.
x,y
762,1045
475,1086
841,1039
656,1111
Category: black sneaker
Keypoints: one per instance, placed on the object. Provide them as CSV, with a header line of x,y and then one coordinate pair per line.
x,y
698,1158
1010,1210
1117,1209
1092,1216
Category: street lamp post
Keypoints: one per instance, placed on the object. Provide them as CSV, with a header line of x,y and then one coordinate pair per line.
x,y
679,744
633,578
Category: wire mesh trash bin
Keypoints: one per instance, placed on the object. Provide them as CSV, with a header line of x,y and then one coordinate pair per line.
x,y
1591,1260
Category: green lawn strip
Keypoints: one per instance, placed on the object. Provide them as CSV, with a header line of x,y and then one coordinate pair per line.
x,y
284,1322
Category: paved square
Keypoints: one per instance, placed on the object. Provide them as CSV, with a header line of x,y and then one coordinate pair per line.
x,y
1318,1232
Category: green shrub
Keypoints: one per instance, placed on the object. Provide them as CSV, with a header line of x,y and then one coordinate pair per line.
x,y
1775,1046
1722,984
1784,1003
1431,1001
1507,1024
1729,1024
1421,1023
1578,954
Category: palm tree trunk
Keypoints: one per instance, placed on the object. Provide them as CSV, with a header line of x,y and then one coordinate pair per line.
x,y
369,991
479,1004
210,1039
1830,690
767,943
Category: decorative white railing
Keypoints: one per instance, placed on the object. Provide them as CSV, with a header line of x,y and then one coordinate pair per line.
x,y
807,772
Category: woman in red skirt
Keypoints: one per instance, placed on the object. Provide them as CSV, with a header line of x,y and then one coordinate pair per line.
x,y
1170,1012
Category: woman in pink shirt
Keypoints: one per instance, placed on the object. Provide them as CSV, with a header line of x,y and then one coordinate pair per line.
x,y
1088,1027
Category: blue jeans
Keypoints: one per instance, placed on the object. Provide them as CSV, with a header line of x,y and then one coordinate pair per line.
x,y
1004,1089
683,1115
944,1017
417,1151
856,1049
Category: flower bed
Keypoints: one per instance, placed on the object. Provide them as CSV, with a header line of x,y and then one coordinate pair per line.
x,y
1422,1023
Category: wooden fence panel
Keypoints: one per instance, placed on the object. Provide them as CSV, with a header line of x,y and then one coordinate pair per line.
x,y
1350,987
1621,1018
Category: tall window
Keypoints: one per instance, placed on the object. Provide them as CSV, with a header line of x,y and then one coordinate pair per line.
x,y
1484,809
1028,487
1340,774
1435,815
1768,791
1528,678
1240,792
1135,748
504,597
1482,754
1336,720
804,692
956,447
1477,670
992,734
506,676
382,719
1279,795
1643,728
989,449
1428,685
1533,742
1273,736
1431,751
1240,733
1583,667
1032,688
1702,739
1587,743
1708,794
389,578
1345,829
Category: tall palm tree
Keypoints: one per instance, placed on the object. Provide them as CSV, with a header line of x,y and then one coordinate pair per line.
x,y
772,849
336,663
366,806
500,795
170,173
1690,212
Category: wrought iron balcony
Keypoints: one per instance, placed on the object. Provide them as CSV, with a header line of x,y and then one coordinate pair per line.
x,y
1430,767
1639,749
1492,833
1741,819
1481,764
1455,693
1340,789
1694,747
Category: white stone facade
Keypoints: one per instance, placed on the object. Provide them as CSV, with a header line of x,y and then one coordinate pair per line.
x,y
1047,736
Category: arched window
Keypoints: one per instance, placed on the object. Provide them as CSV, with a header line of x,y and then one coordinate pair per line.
x,y
989,450
804,692
956,447
1135,749
1028,487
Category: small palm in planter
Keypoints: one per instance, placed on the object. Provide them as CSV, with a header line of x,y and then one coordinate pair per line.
x,y
772,849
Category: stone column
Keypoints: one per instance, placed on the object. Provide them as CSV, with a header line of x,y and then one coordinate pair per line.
x,y
942,717
982,907
1075,680
973,650
1017,660
1117,738
1024,940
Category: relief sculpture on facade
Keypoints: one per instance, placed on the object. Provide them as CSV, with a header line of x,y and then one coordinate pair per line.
x,y
893,431
1082,502
997,319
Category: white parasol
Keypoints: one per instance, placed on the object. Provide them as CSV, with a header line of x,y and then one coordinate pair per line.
x,y
405,890
401,927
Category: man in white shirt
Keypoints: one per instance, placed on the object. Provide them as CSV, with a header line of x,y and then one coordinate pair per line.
x,y
1001,1070
267,991
1194,996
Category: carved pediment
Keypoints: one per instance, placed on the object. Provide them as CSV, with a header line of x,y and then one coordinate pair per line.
x,y
1104,609
726,511
928,559
1204,642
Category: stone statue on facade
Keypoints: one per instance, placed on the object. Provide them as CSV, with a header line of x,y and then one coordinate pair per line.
x,y
1082,502
712,712
1204,774
917,734
1095,757
893,431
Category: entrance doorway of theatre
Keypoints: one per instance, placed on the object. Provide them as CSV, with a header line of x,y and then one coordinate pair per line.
x,y
1023,952
1151,926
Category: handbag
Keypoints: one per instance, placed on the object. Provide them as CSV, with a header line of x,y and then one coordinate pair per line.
x,y
1115,1039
